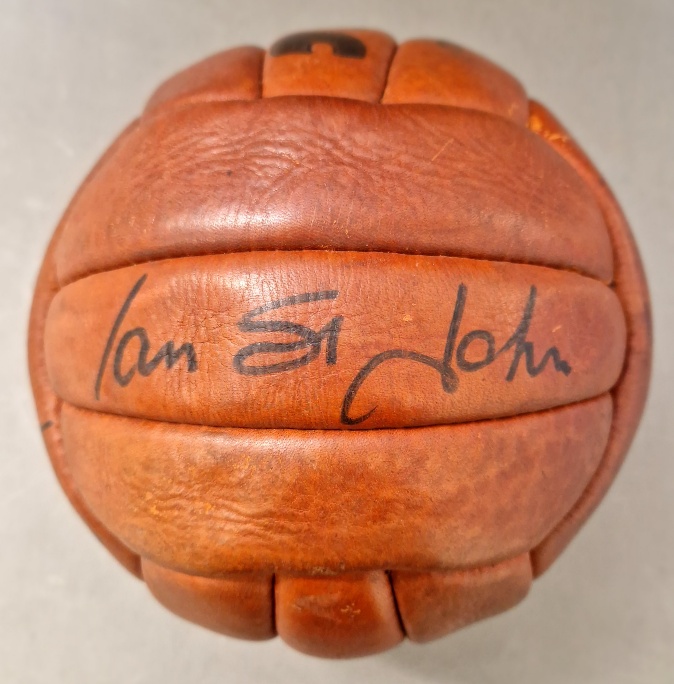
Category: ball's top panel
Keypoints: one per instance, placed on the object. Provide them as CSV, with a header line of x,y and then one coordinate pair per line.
x,y
357,65
351,64
437,72
230,75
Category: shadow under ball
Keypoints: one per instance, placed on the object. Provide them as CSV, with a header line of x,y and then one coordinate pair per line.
x,y
343,342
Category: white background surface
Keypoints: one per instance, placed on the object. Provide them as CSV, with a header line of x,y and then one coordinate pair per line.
x,y
72,73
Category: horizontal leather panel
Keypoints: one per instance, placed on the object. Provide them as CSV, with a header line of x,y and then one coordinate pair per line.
x,y
323,173
332,340
209,501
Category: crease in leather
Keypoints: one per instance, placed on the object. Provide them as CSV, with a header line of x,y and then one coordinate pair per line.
x,y
561,269
293,226
292,509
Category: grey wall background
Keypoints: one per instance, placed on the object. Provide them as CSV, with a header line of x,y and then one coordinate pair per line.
x,y
72,73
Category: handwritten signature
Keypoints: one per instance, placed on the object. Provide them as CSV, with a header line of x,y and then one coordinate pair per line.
x,y
167,353
454,358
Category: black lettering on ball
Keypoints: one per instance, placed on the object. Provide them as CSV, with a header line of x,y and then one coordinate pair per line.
x,y
490,355
342,44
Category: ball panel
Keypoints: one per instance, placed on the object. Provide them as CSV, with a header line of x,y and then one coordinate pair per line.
x,y
48,404
230,75
314,173
337,617
631,288
435,72
211,500
434,604
236,605
350,64
332,340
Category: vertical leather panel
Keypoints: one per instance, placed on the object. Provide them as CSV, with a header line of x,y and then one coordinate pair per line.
x,y
350,64
236,605
230,75
348,615
433,604
629,395
48,405
436,72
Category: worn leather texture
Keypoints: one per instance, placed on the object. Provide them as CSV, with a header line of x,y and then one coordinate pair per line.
x,y
342,341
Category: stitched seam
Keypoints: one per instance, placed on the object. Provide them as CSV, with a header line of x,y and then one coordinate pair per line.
x,y
341,430
394,52
273,604
615,390
561,269
396,605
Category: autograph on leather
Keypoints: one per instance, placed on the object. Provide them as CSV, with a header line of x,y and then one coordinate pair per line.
x,y
167,353
249,360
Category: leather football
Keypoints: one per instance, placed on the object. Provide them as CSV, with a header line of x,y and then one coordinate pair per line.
x,y
342,341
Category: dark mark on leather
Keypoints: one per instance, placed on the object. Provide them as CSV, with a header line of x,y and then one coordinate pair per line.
x,y
342,44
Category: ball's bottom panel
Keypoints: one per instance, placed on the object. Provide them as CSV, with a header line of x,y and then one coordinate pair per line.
x,y
240,606
345,615
434,604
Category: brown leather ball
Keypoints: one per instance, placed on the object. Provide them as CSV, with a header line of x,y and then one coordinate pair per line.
x,y
342,341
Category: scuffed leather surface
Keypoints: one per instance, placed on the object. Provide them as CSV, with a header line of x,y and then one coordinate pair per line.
x,y
209,500
351,615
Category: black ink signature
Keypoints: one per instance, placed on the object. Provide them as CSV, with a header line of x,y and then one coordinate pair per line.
x,y
449,378
308,338
448,375
167,353
312,341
